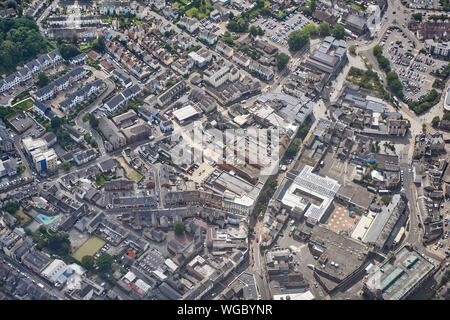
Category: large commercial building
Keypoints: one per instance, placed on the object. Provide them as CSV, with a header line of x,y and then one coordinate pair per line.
x,y
43,158
136,132
438,48
329,57
380,229
308,194
115,138
399,276
186,113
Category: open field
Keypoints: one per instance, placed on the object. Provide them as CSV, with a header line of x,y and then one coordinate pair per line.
x,y
131,173
89,248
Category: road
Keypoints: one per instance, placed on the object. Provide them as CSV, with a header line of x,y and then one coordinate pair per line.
x,y
85,125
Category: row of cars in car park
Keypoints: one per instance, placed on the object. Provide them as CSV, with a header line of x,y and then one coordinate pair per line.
x,y
11,183
102,250
284,28
191,170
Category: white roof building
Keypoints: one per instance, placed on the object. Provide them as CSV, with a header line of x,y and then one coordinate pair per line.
x,y
54,270
186,113
319,194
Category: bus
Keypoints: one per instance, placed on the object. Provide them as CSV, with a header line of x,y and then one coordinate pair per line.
x,y
372,189
382,192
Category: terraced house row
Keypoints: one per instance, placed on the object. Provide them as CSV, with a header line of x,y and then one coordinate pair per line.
x,y
32,68
81,94
60,84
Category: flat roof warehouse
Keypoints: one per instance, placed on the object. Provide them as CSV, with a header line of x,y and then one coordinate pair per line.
x,y
186,113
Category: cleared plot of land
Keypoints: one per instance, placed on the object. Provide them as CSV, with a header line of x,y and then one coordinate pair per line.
x,y
131,173
24,218
89,248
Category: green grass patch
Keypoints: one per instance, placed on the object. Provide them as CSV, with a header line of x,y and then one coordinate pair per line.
x,y
357,7
202,12
23,105
89,248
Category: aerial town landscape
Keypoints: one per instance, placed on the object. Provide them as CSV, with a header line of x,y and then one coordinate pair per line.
x,y
224,150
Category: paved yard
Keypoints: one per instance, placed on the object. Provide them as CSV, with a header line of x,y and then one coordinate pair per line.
x,y
340,220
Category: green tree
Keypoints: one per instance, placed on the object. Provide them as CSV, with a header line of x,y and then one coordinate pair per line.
x,y
293,148
339,31
68,51
59,40
178,227
386,199
88,262
377,50
99,44
352,50
93,121
435,121
324,29
104,261
240,25
56,122
66,165
298,39
20,40
43,80
282,60
256,31
11,207
312,29
59,244
417,16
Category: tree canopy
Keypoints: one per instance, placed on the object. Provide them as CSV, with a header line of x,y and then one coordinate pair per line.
x,y
88,262
68,51
42,80
282,61
256,31
339,31
178,227
298,39
59,244
56,122
104,261
99,44
66,165
11,207
324,29
239,25
20,41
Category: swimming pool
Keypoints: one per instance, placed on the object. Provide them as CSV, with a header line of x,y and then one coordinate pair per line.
x,y
47,220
